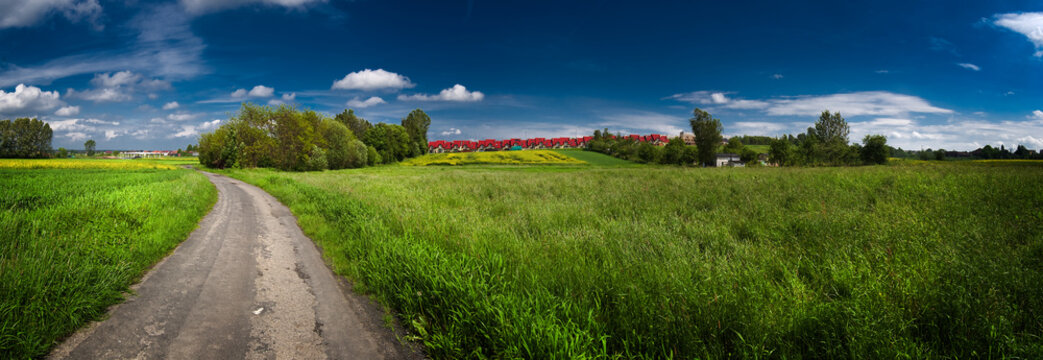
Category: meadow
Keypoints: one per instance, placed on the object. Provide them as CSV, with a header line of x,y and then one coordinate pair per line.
x,y
524,157
77,233
908,261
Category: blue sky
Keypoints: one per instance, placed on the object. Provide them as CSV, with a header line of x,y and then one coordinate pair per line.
x,y
153,75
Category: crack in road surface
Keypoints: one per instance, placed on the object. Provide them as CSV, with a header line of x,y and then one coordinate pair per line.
x,y
247,284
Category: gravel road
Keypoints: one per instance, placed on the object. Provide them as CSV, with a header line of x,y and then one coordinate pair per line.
x,y
247,284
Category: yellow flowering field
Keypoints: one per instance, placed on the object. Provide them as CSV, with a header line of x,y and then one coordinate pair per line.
x,y
524,157
81,164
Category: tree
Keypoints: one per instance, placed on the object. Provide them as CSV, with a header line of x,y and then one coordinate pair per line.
x,y
673,152
832,128
707,131
734,146
747,155
690,155
391,142
357,125
780,152
874,150
648,153
62,153
416,125
89,146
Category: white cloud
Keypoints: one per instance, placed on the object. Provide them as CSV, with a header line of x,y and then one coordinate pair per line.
x,y
118,86
69,125
1036,114
718,98
122,78
958,134
969,66
212,124
101,122
193,130
763,128
29,13
181,116
878,103
239,94
163,46
68,111
26,100
854,104
451,131
261,91
882,71
456,93
642,122
111,134
372,80
777,76
358,103
286,98
76,136
99,95
206,6
171,105
1029,24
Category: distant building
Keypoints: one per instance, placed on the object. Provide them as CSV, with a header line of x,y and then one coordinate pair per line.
x,y
689,139
728,159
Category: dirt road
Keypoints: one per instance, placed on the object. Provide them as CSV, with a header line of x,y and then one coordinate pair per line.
x,y
247,284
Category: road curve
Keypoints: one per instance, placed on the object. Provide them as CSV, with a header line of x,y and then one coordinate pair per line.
x,y
247,284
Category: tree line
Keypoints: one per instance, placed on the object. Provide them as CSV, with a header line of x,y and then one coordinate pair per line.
x,y
288,138
824,144
25,138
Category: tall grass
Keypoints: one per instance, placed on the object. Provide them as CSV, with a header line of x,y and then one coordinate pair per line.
x,y
73,240
870,262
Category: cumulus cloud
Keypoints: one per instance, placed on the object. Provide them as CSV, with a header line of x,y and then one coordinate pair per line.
x,y
451,131
372,80
193,130
969,66
456,93
171,105
777,76
1029,24
25,100
285,98
76,136
877,103
239,94
111,134
29,13
1036,114
207,6
118,86
68,111
359,103
261,91
69,125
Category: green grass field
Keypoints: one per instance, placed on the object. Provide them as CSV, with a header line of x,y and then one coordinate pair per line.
x,y
75,237
595,158
900,261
